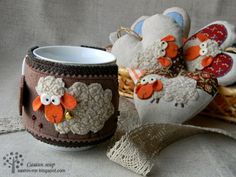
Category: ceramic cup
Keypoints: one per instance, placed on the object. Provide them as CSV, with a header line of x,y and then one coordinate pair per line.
x,y
69,95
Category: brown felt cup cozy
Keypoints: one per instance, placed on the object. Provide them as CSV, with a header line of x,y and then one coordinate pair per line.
x,y
75,125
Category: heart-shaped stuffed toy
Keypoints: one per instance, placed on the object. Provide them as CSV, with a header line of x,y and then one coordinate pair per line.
x,y
162,98
157,46
205,51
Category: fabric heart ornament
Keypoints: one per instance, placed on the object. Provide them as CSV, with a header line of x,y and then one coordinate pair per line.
x,y
153,42
164,98
205,51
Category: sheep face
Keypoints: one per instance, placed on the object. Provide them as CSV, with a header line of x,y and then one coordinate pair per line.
x,y
53,98
54,106
148,85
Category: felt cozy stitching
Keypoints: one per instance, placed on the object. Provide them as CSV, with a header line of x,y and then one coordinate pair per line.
x,y
92,109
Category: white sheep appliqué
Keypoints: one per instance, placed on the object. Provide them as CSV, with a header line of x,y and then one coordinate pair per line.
x,y
181,89
94,106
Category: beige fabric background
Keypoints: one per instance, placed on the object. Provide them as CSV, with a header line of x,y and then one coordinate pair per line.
x,y
25,23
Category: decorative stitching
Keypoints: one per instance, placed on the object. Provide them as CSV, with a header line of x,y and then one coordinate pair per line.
x,y
70,70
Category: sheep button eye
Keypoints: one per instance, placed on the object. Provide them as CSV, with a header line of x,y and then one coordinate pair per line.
x,y
162,53
45,99
203,45
55,100
143,81
203,51
164,45
152,80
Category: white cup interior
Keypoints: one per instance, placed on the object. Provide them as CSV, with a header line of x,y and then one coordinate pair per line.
x,y
74,55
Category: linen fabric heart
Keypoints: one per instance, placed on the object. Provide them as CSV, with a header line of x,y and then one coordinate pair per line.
x,y
205,51
161,37
162,98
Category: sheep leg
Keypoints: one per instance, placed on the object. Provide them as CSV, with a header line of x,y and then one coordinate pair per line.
x,y
181,104
152,100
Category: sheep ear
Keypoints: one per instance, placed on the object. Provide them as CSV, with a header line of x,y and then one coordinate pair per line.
x,y
36,103
181,17
68,101
202,37
135,74
138,24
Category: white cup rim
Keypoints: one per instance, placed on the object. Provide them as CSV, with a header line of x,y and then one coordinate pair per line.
x,y
75,55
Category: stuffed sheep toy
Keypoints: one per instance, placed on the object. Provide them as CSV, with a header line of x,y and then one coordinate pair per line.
x,y
205,51
156,42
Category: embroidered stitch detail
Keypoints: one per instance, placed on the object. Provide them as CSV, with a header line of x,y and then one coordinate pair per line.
x,y
216,32
181,89
221,65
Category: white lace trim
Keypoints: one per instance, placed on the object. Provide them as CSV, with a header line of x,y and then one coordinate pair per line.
x,y
12,124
